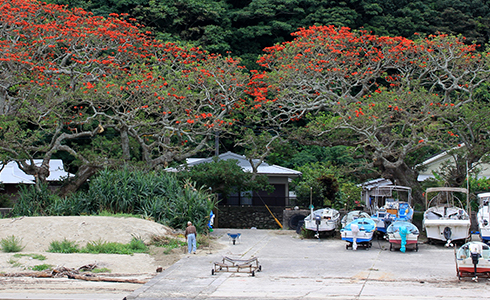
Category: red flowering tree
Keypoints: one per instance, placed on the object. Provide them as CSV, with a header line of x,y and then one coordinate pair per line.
x,y
68,76
382,95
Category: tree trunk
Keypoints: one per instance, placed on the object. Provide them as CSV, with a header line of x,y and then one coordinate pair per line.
x,y
405,176
126,155
82,175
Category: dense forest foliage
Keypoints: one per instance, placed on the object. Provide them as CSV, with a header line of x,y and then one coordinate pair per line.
x,y
361,90
245,28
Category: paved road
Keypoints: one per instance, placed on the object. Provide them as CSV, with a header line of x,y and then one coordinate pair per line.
x,y
293,268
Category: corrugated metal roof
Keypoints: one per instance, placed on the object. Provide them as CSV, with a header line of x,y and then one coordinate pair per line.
x,y
243,162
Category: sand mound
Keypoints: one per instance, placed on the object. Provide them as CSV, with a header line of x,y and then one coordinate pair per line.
x,y
38,232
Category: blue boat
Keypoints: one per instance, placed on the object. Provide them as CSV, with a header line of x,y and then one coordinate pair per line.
x,y
359,232
390,203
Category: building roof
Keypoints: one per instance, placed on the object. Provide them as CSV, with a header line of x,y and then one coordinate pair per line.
x,y
264,168
11,174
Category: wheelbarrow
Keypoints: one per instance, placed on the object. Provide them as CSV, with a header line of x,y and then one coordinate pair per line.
x,y
237,266
234,237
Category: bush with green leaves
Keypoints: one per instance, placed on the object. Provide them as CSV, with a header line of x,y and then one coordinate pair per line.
x,y
154,195
34,201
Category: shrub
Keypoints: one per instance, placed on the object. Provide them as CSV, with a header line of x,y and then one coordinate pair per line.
x,y
64,246
11,244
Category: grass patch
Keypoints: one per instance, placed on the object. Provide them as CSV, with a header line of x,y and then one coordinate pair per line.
x,y
101,270
167,242
106,213
41,267
33,256
97,247
11,244
63,246
14,263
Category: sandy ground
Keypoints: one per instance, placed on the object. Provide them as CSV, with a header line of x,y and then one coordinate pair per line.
x,y
36,234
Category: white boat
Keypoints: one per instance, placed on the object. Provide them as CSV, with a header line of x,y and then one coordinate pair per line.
x,y
445,219
389,203
403,235
323,220
473,260
352,215
358,232
483,216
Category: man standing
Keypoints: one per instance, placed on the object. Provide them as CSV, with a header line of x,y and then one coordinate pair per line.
x,y
191,234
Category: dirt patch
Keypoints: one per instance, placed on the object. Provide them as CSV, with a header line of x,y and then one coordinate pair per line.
x,y
36,234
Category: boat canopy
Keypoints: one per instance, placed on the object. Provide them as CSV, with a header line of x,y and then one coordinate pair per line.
x,y
449,198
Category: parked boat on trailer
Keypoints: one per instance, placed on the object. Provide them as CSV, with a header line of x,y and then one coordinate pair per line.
x,y
483,216
473,260
324,220
403,235
445,218
390,203
358,233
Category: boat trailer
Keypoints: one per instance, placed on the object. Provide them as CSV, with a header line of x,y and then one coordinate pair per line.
x,y
237,266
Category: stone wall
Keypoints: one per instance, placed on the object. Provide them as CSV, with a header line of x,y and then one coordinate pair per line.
x,y
248,217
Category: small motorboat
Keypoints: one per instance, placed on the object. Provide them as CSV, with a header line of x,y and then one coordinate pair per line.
x,y
359,232
403,235
389,203
483,217
324,220
444,218
352,215
473,260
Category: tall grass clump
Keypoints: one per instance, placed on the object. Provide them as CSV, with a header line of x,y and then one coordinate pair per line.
x,y
33,202
11,244
159,196
154,195
63,246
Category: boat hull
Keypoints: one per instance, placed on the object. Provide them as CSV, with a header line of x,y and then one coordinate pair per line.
x,y
485,233
483,218
459,229
323,220
361,237
323,226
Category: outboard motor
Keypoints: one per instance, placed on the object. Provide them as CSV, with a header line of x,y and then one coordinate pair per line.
x,y
475,255
387,223
318,221
403,235
354,228
447,235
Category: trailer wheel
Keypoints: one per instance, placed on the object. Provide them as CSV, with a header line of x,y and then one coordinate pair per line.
x,y
212,271
260,268
253,273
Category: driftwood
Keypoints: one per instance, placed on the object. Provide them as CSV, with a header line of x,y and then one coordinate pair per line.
x,y
72,274
95,278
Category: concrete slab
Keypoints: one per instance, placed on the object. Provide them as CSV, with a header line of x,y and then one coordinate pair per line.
x,y
293,268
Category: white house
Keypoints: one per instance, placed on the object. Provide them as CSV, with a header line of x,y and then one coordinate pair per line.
x,y
279,178
435,163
